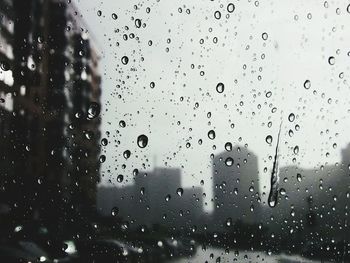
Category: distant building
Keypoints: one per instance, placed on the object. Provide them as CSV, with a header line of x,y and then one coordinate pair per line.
x,y
46,166
314,202
236,187
156,198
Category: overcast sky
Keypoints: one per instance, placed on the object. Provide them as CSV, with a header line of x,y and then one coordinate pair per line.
x,y
185,61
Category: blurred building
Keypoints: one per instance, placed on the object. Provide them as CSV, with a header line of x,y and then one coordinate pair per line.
x,y
314,202
155,199
236,188
48,163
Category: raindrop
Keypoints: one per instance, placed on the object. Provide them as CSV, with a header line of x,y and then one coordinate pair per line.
x,y
348,9
273,195
93,110
228,146
264,36
152,85
120,178
114,211
217,14
5,66
307,84
268,139
114,16
122,124
89,135
229,161
290,133
229,221
211,134
220,87
296,149
331,60
299,178
125,60
142,141
126,154
291,117
268,94
138,23
230,7
99,12
167,198
102,158
179,191
104,142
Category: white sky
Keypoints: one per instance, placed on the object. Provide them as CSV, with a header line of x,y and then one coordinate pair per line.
x,y
297,49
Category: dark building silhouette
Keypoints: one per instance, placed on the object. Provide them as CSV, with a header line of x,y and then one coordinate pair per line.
x,y
155,199
236,187
49,166
312,204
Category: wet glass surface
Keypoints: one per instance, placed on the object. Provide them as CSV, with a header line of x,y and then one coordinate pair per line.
x,y
174,131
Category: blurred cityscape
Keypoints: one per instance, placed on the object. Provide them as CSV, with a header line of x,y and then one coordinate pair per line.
x,y
50,92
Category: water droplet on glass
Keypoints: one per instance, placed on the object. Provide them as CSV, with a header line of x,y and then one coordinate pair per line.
x,y
114,211
296,149
93,110
167,198
331,60
299,178
220,87
99,12
217,14
273,195
230,7
114,16
126,154
228,146
229,161
5,66
102,158
268,139
179,191
104,142
211,134
290,133
125,60
142,141
122,124
138,23
120,178
89,135
264,36
291,117
229,221
307,84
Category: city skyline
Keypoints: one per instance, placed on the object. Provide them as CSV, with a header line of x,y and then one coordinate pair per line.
x,y
305,197
247,102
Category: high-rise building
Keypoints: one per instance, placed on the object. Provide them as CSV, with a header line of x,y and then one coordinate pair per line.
x,y
236,187
50,159
313,201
